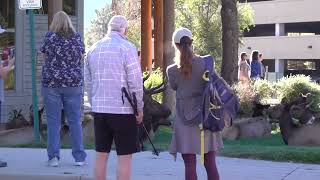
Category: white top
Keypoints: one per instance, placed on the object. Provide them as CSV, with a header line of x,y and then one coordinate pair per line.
x,y
113,63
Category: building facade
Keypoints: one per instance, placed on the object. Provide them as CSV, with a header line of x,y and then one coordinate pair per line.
x,y
287,33
18,86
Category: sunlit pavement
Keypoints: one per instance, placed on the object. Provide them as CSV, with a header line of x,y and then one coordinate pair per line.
x,y
30,164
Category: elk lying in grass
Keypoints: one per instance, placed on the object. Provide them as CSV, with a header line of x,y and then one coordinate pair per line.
x,y
298,125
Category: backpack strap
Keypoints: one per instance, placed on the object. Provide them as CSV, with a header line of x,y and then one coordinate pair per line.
x,y
208,59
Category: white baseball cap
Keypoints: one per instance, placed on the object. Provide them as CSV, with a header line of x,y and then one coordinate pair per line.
x,y
118,23
2,30
180,33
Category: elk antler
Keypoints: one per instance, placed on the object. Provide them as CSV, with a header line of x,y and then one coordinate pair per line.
x,y
147,77
158,89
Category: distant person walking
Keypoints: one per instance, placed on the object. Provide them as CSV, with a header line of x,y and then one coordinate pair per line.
x,y
185,77
255,66
62,82
244,68
263,69
111,64
4,70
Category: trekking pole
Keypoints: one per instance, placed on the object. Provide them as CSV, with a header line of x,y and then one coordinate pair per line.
x,y
144,127
155,151
133,103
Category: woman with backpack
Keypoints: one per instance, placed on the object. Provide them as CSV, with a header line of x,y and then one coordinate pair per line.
x,y
186,78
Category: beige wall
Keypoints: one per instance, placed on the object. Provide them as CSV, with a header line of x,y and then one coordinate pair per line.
x,y
284,47
286,11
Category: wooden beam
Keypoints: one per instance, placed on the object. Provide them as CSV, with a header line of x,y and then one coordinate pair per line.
x,y
158,29
54,6
146,35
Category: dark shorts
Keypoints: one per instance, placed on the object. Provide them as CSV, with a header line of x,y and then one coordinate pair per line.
x,y
120,128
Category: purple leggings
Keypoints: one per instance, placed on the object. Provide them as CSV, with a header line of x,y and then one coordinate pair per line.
x,y
190,163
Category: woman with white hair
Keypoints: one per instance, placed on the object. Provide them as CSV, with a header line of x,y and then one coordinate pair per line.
x,y
62,81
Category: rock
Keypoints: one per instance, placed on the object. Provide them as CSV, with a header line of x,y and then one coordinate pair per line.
x,y
248,128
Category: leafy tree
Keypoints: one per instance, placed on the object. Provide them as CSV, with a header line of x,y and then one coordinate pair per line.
x,y
203,18
99,27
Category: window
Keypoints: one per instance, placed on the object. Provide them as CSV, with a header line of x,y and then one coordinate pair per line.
x,y
302,29
69,6
7,38
301,65
270,63
244,1
260,30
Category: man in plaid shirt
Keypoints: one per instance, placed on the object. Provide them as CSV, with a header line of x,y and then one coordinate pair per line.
x,y
112,63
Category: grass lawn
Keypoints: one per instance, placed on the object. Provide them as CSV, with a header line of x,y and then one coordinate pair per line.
x,y
271,148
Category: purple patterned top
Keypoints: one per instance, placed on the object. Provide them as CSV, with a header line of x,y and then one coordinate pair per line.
x,y
62,66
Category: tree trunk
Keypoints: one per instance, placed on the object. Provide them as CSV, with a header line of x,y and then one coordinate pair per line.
x,y
169,52
230,37
158,33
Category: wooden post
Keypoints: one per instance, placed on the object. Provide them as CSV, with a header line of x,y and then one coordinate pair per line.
x,y
158,29
54,6
146,35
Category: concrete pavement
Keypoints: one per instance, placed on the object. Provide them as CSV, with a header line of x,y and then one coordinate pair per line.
x,y
30,164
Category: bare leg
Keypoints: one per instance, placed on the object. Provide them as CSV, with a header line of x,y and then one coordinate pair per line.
x,y
100,167
124,167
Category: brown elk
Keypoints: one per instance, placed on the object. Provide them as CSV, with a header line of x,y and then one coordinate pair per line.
x,y
155,114
298,125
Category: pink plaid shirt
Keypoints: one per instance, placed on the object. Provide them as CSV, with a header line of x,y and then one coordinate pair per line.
x,y
112,63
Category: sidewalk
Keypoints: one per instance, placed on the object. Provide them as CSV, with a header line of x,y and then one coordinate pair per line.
x,y
30,164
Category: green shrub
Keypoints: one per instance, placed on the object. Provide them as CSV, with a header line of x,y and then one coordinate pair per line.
x,y
155,79
247,96
291,88
264,90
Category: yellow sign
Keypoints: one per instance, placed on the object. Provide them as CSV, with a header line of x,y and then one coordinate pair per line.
x,y
30,4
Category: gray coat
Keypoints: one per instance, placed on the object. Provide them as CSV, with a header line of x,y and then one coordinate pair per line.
x,y
186,136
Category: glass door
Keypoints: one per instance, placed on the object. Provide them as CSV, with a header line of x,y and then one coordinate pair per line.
x,y
7,39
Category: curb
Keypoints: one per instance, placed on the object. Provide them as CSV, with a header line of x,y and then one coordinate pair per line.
x,y
21,176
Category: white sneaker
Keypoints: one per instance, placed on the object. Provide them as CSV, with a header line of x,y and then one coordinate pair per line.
x,y
82,163
54,162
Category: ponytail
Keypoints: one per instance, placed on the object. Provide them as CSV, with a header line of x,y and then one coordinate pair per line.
x,y
186,55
